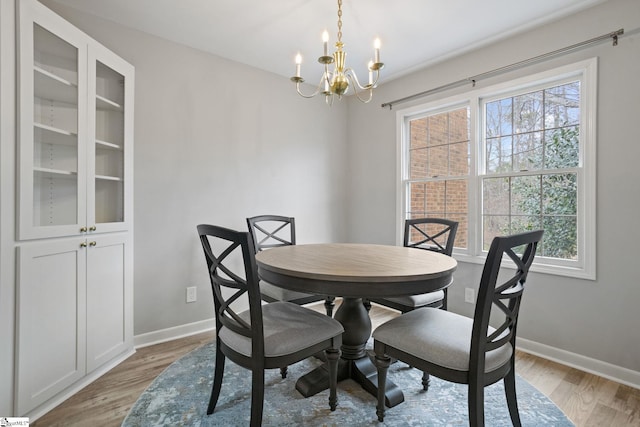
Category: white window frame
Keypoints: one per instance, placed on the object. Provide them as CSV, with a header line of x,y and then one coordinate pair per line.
x,y
584,71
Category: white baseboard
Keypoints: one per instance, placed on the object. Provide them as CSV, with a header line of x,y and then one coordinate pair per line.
x,y
583,363
164,335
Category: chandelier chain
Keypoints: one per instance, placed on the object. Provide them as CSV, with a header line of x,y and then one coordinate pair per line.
x,y
339,20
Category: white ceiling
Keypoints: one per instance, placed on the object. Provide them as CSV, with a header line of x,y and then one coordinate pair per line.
x,y
268,34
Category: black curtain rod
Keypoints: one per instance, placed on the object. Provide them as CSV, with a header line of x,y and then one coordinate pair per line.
x,y
612,35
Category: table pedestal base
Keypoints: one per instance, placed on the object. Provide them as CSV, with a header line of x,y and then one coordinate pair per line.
x,y
355,362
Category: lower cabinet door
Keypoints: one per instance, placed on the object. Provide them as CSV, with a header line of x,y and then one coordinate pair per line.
x,y
109,298
50,319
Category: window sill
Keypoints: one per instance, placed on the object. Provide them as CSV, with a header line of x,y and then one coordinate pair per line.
x,y
537,267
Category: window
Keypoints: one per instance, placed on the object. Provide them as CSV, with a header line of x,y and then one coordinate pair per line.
x,y
505,159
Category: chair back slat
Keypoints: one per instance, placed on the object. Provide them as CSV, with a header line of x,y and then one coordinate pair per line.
x,y
271,231
433,234
501,289
224,273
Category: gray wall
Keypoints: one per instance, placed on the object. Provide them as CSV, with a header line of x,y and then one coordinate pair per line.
x,y
597,319
215,142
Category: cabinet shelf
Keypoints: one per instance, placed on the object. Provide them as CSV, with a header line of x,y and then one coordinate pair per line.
x,y
108,178
108,145
52,87
53,173
103,103
52,135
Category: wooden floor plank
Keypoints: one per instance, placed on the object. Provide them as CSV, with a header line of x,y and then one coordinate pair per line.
x,y
588,400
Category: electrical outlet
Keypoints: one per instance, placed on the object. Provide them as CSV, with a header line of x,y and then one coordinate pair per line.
x,y
192,295
469,295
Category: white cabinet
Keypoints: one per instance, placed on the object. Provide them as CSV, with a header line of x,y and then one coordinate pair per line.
x,y
51,328
109,297
76,130
74,312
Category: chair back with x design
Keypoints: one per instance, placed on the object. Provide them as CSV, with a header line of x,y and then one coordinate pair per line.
x,y
434,234
270,231
223,277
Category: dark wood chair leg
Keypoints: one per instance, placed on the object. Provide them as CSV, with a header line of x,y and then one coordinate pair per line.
x,y
329,304
217,380
283,372
476,404
332,356
512,402
425,381
382,364
257,396
367,304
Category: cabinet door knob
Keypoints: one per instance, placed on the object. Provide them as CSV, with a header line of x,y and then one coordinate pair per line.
x,y
83,229
92,228
92,243
83,244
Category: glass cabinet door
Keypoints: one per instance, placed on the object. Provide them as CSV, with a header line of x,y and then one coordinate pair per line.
x,y
109,150
52,128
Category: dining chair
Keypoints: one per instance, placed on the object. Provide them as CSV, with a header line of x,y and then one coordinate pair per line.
x,y
460,349
264,336
432,234
270,231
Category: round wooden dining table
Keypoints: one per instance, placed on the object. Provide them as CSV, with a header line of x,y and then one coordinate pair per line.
x,y
354,271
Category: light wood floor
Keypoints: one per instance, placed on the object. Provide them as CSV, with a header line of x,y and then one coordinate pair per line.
x,y
588,400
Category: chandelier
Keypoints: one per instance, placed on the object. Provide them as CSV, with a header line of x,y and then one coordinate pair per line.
x,y
336,82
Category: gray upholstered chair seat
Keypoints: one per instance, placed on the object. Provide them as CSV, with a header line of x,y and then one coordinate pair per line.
x,y
281,294
418,300
439,337
287,327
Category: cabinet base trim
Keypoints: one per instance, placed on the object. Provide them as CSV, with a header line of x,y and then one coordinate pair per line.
x,y
50,404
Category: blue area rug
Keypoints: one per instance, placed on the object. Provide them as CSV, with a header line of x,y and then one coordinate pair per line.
x,y
180,395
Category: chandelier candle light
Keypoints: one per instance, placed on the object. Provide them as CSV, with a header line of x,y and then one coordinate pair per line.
x,y
336,82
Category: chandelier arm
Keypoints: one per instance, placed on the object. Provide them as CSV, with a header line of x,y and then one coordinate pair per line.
x,y
306,96
319,88
354,77
354,80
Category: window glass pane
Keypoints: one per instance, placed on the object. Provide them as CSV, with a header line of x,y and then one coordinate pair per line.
x,y
562,105
560,237
499,154
522,223
528,152
561,148
417,200
418,160
493,225
418,133
462,235
436,192
438,129
457,197
459,158
527,112
560,194
438,161
495,196
459,125
498,119
525,195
